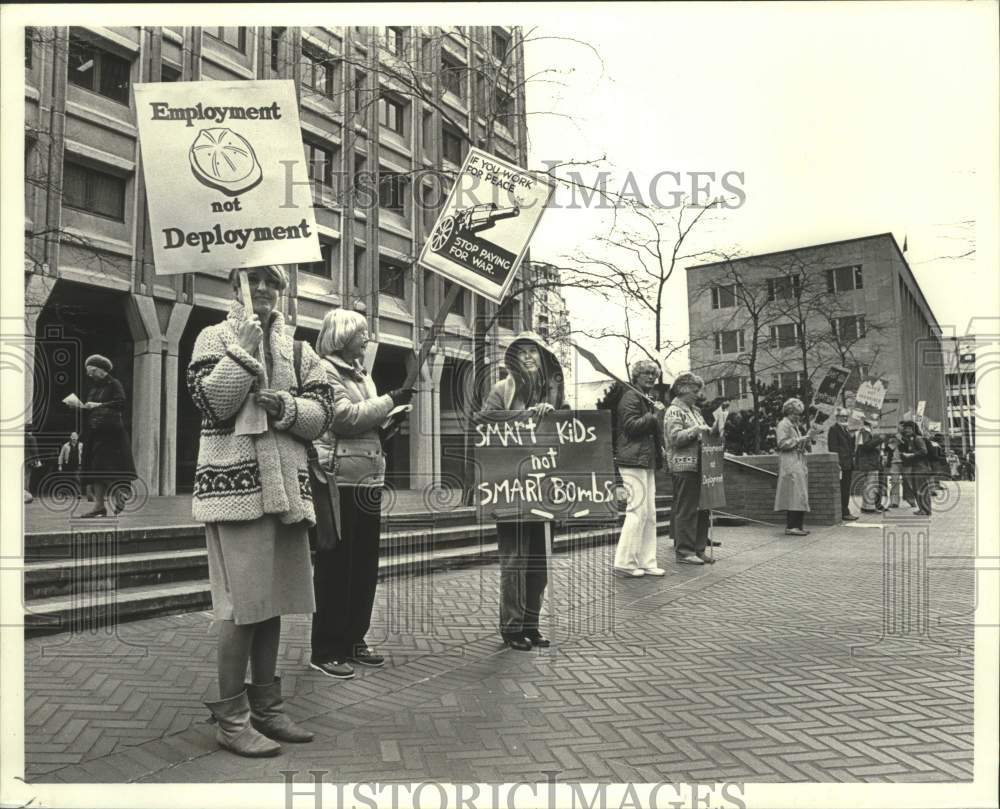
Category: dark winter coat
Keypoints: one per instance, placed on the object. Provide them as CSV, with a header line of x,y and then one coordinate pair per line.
x,y
640,432
840,441
869,454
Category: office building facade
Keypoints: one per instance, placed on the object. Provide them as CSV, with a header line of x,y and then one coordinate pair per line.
x,y
852,303
387,115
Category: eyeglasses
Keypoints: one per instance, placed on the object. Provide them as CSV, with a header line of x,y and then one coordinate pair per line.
x,y
269,281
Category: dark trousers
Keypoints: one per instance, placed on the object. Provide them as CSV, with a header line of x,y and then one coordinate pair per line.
x,y
794,519
523,575
689,524
917,489
345,577
846,476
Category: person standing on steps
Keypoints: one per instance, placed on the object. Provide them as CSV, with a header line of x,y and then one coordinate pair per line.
x,y
640,453
346,574
534,383
792,492
250,494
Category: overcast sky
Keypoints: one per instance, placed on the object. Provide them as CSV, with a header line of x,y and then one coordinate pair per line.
x,y
845,120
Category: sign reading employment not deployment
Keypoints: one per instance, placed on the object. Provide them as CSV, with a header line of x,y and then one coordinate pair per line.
x,y
226,178
484,228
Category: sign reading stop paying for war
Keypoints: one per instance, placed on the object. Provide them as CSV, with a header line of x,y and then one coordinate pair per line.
x,y
226,178
555,466
484,228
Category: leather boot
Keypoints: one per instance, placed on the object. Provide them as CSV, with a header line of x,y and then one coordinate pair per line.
x,y
235,732
267,714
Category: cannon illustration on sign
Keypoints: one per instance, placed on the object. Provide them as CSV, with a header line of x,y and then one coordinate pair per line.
x,y
470,220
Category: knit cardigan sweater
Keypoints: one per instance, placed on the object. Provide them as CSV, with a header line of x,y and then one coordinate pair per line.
x,y
242,477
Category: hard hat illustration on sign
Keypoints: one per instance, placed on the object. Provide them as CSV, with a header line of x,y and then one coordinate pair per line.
x,y
224,160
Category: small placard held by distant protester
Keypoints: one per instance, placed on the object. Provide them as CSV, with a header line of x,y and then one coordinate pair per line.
x,y
555,466
868,403
713,488
483,231
225,174
824,401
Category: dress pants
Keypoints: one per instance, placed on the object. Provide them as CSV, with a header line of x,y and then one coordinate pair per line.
x,y
345,577
637,543
523,575
845,492
689,524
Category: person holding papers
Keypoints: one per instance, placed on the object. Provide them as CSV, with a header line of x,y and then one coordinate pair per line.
x,y
346,572
534,383
107,465
792,492
251,491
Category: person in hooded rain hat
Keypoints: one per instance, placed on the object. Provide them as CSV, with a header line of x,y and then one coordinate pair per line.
x,y
534,382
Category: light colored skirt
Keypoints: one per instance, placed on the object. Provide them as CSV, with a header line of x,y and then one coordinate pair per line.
x,y
259,569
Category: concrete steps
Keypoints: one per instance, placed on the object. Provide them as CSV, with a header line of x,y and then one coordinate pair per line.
x,y
84,580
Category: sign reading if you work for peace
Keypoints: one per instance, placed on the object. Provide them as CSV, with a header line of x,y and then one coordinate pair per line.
x,y
556,466
484,228
225,175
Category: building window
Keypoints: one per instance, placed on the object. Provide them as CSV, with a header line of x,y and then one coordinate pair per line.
x,y
731,387
844,279
783,287
392,191
729,342
169,73
452,147
360,265
29,34
319,162
277,35
500,43
391,279
317,72
458,307
391,114
851,327
723,297
785,335
509,315
790,380
323,267
394,40
233,37
96,70
93,191
504,109
452,75
543,325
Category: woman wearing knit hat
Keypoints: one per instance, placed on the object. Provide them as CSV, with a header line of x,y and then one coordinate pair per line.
x,y
252,492
107,464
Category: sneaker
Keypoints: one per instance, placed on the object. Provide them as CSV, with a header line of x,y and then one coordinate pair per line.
x,y
655,571
689,559
338,669
708,560
796,532
534,637
366,656
629,573
849,518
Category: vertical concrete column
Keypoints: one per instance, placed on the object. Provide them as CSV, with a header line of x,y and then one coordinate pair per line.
x,y
147,376
172,390
425,425
37,289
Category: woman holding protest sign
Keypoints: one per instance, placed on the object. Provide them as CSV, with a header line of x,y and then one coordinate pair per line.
x,y
639,453
346,573
684,428
250,495
792,493
534,382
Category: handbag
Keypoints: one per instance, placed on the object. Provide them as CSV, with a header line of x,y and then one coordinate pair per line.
x,y
326,496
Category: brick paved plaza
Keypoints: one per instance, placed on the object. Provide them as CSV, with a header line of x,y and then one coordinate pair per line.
x,y
824,658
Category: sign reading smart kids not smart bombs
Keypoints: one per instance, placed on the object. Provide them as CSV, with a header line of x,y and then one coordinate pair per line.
x,y
555,466
225,174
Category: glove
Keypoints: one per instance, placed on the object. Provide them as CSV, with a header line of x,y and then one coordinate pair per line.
x,y
401,396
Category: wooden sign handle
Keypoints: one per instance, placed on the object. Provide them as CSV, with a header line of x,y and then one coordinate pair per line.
x,y
248,308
